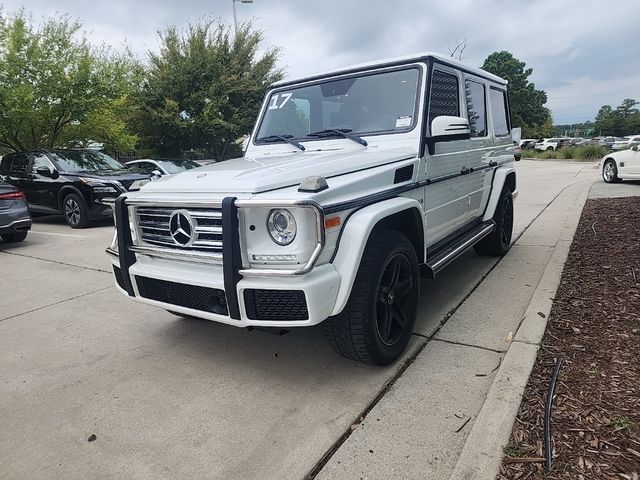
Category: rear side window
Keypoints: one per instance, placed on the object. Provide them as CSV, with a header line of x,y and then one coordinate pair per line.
x,y
445,97
17,162
476,108
4,164
499,112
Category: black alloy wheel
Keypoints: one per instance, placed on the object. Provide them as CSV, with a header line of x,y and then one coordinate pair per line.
x,y
498,242
395,304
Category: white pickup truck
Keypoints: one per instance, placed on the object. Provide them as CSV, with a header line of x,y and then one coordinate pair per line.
x,y
355,183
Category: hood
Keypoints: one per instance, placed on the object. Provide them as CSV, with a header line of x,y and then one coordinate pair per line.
x,y
125,177
255,175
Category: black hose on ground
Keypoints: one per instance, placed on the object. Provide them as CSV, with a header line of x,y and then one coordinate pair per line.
x,y
547,415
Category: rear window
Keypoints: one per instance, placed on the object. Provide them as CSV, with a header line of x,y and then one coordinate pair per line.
x,y
499,112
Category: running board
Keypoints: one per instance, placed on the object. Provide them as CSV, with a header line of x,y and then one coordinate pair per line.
x,y
457,247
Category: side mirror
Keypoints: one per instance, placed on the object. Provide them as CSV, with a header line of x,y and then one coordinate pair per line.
x,y
446,129
156,173
47,172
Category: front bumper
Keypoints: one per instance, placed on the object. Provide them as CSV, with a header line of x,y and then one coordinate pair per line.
x,y
191,285
219,292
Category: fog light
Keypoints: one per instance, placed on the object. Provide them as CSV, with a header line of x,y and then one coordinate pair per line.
x,y
291,258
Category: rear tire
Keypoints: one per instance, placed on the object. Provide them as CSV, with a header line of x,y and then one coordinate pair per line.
x,y
377,322
75,212
14,237
498,242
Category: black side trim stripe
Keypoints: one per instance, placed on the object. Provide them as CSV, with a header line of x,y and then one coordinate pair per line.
x,y
231,259
394,192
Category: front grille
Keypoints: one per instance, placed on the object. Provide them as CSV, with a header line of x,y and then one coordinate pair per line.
x,y
277,305
154,228
205,299
119,278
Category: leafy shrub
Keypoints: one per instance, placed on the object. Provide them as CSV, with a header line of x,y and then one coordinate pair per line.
x,y
529,153
548,154
590,152
567,152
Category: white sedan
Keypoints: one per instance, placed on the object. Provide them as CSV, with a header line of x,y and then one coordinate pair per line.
x,y
626,142
623,165
161,167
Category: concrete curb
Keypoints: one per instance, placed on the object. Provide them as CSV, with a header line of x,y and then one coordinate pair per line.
x,y
482,453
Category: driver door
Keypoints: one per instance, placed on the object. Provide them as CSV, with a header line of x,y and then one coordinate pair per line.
x,y
447,190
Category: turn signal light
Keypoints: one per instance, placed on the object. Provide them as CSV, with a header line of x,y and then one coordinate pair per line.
x,y
332,222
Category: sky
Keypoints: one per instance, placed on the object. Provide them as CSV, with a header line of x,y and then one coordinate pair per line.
x,y
584,53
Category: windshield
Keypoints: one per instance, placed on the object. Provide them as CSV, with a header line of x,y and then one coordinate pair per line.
x,y
176,166
84,161
367,104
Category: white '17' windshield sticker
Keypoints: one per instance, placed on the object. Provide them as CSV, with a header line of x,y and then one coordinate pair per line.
x,y
273,105
403,121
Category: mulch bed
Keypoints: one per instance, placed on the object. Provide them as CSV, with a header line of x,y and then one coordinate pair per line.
x,y
595,326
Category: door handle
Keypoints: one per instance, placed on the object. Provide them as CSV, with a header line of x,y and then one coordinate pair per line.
x,y
464,170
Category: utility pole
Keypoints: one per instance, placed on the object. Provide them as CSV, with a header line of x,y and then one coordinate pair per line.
x,y
235,15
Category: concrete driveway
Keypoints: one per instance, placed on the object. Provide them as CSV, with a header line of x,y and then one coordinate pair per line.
x,y
167,397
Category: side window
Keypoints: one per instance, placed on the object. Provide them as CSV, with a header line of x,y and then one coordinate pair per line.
x,y
5,163
40,160
20,162
145,167
476,108
499,113
445,97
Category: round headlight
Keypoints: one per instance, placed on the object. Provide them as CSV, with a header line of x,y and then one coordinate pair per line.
x,y
281,226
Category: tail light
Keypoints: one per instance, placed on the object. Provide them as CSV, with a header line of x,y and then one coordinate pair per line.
x,y
12,196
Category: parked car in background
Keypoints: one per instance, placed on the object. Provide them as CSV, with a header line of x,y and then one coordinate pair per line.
x,y
549,143
577,141
528,143
75,183
626,142
15,220
163,167
609,141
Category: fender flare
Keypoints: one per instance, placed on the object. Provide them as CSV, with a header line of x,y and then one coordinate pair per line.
x,y
499,179
66,190
353,241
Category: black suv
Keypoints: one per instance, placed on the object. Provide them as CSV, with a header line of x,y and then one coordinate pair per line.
x,y
76,183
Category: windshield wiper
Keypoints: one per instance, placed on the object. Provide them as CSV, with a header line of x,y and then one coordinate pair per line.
x,y
340,132
281,138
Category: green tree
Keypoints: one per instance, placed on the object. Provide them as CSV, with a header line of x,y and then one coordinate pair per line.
x,y
627,107
57,90
527,103
203,89
624,120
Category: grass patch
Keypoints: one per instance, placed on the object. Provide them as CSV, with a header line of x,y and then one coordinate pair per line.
x,y
621,423
585,152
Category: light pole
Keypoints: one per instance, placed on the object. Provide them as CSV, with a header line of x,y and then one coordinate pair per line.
x,y
235,16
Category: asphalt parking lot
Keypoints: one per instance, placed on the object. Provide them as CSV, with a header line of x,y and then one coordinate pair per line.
x,y
168,397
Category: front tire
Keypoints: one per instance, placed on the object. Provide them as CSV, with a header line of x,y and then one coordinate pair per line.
x,y
610,172
498,242
377,322
75,211
14,237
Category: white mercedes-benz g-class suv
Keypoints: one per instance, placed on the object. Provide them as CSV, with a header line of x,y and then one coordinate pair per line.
x,y
354,183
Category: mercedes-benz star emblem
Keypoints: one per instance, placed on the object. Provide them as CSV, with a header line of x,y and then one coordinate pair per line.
x,y
181,228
